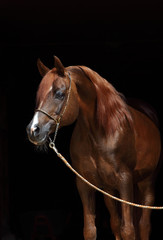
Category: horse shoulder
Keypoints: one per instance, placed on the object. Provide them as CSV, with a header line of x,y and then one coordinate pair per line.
x,y
82,151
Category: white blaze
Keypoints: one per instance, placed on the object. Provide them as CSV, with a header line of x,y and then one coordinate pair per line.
x,y
34,122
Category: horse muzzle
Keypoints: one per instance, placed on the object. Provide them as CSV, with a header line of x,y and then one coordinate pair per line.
x,y
37,134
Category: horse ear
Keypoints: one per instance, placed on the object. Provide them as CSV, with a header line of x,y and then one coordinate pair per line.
x,y
59,66
42,68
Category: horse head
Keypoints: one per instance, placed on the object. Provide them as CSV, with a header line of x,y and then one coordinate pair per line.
x,y
56,101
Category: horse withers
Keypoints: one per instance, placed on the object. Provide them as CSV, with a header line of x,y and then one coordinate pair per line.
x,y
113,145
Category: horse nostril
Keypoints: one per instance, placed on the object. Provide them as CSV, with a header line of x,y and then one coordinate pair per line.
x,y
35,130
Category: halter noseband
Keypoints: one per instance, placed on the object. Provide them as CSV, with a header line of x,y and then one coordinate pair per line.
x,y
58,119
47,114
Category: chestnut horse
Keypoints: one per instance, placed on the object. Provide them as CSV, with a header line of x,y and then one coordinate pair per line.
x,y
113,145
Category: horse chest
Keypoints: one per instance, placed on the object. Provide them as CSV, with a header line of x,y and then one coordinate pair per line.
x,y
107,174
94,164
97,171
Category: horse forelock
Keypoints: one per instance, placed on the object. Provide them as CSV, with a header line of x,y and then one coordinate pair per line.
x,y
111,111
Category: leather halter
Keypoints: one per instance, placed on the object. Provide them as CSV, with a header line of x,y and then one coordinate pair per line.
x,y
58,119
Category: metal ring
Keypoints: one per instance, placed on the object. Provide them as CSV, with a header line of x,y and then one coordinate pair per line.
x,y
52,145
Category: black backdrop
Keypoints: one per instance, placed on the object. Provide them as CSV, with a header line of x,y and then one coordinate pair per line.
x,y
121,40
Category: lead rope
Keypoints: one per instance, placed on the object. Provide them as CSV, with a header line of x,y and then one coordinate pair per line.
x,y
52,146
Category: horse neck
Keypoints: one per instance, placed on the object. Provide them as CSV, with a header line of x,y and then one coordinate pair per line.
x,y
86,95
100,103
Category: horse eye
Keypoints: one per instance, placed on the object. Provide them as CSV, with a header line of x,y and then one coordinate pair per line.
x,y
59,95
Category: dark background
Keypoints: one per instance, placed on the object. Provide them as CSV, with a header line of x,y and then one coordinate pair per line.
x,y
122,41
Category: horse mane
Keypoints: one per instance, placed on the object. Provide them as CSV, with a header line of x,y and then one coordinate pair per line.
x,y
112,112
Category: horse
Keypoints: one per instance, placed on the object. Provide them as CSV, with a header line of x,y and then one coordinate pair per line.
x,y
113,145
